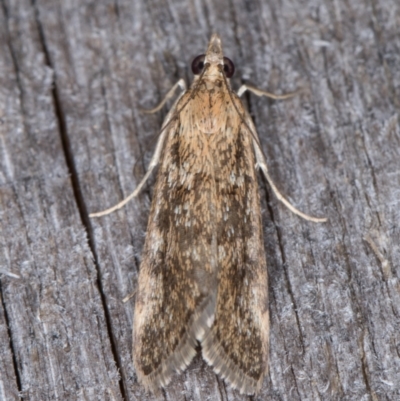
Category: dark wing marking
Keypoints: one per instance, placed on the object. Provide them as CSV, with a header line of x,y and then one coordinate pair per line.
x,y
237,344
177,281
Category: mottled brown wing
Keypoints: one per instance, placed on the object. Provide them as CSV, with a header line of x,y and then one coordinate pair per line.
x,y
177,281
238,342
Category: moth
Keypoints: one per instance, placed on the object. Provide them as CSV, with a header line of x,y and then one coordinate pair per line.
x,y
203,275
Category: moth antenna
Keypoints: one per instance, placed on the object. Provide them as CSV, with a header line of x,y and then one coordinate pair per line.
x,y
154,161
157,153
258,151
264,168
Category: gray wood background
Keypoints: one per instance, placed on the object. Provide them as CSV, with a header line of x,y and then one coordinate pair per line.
x,y
73,76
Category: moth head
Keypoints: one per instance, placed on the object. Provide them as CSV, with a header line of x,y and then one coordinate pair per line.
x,y
213,62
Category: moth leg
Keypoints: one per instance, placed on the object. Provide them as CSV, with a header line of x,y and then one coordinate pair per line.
x,y
153,163
261,163
181,83
129,296
259,92
157,153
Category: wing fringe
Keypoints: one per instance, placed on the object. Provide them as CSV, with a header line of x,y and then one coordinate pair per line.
x,y
199,326
222,364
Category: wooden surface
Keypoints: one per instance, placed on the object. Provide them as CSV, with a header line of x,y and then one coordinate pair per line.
x,y
73,76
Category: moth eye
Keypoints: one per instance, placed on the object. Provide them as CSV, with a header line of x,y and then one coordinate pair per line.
x,y
229,67
198,64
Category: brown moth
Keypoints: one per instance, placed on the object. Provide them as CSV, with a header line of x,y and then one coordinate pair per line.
x,y
203,275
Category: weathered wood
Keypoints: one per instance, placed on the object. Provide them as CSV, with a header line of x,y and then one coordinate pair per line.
x,y
72,140
56,316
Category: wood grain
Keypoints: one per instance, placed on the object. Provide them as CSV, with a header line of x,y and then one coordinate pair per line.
x,y
73,77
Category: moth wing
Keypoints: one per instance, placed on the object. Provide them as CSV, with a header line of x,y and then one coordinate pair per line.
x,y
238,342
176,290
